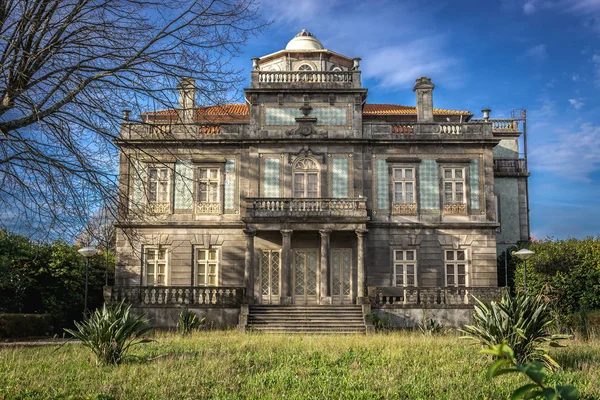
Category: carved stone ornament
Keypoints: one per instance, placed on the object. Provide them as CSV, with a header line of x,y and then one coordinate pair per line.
x,y
305,152
306,124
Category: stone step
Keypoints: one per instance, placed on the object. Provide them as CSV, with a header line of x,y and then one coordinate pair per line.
x,y
352,330
268,317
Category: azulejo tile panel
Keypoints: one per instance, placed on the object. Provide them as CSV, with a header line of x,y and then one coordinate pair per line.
x,y
326,115
382,185
281,116
271,177
474,184
230,203
429,189
330,116
138,175
184,185
340,177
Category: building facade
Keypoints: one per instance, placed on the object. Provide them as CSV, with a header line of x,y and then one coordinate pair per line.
x,y
308,194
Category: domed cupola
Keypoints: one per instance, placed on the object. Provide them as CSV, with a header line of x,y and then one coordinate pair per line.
x,y
304,41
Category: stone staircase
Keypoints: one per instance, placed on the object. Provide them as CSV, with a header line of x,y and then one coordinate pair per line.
x,y
306,319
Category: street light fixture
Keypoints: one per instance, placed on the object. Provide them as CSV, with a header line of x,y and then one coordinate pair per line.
x,y
524,255
87,252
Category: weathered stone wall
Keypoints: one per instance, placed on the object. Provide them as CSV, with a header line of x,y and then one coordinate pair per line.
x,y
411,317
166,317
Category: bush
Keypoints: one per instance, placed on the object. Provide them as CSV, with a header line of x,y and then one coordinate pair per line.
x,y
25,325
188,321
430,327
520,321
111,331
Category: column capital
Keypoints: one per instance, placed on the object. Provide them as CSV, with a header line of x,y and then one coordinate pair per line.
x,y
249,232
361,232
286,232
325,232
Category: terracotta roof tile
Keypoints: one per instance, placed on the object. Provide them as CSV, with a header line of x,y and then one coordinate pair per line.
x,y
396,109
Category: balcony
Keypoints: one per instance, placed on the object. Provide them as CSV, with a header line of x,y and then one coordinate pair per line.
x,y
173,296
508,125
305,79
431,297
305,209
510,167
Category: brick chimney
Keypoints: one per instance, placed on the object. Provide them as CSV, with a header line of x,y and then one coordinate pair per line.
x,y
187,99
424,90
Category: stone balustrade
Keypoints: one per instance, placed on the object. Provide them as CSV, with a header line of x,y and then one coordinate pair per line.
x,y
432,297
197,296
499,124
166,131
266,207
326,79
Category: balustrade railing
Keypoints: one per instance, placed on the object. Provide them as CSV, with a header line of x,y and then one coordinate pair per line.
x,y
499,124
204,296
423,297
267,206
404,129
304,76
450,129
510,165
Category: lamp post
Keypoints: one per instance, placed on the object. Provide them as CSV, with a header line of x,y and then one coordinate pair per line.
x,y
87,252
524,254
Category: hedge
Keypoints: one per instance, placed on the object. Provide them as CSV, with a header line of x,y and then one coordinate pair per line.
x,y
26,325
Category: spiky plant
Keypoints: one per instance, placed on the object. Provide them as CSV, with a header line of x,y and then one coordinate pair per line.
x,y
111,331
521,322
188,321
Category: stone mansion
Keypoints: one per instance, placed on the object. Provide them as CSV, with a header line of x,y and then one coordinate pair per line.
x,y
308,195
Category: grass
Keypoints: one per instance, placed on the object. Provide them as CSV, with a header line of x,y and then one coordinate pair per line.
x,y
228,365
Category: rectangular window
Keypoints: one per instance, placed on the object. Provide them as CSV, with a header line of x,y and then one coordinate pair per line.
x,y
454,191
208,198
306,185
207,261
156,266
405,268
158,185
403,187
456,267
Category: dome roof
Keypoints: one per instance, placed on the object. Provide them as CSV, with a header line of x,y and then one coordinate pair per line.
x,y
304,41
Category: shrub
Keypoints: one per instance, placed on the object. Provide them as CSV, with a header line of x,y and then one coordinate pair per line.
x,y
535,371
430,327
520,321
188,321
25,325
381,323
111,331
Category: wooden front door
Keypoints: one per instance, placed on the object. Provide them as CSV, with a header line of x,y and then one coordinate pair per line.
x,y
341,276
305,276
270,264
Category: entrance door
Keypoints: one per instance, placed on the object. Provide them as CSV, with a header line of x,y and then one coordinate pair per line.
x,y
269,276
305,276
341,282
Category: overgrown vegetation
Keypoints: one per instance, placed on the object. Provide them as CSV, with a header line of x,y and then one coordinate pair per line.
x,y
520,321
507,364
568,273
111,331
430,327
49,278
227,365
188,321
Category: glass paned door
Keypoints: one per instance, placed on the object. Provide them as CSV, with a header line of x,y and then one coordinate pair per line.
x,y
341,276
269,276
305,276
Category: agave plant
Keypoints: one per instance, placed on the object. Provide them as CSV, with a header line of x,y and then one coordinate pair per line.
x,y
521,322
188,321
111,331
430,327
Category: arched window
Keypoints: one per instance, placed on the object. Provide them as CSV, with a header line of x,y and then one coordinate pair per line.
x,y
306,178
305,67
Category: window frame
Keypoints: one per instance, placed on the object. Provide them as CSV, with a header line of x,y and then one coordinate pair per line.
x,y
455,263
455,206
209,207
157,206
206,263
404,263
156,261
305,172
403,207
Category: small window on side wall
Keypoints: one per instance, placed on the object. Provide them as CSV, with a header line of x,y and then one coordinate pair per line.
x,y
207,267
156,263
405,268
455,262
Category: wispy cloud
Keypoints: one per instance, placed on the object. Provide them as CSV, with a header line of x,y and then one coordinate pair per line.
x,y
538,52
574,154
596,63
576,103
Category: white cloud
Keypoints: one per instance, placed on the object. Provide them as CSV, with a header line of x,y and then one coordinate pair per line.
x,y
529,7
572,153
576,103
575,78
537,52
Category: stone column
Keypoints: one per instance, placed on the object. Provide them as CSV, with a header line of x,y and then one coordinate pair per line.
x,y
325,288
286,267
361,296
249,264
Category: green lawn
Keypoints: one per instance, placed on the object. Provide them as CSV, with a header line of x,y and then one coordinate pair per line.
x,y
229,365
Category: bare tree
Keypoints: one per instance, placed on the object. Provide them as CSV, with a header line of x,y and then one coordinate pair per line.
x,y
70,67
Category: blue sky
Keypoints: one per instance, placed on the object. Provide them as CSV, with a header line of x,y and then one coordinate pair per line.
x,y
542,56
